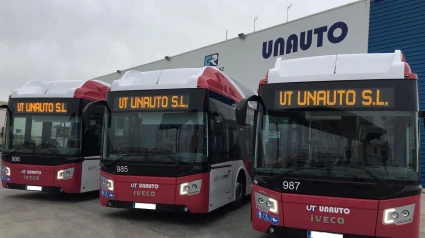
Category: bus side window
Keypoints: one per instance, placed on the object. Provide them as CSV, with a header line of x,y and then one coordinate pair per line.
x,y
235,148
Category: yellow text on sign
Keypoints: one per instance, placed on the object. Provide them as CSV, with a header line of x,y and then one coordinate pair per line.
x,y
368,97
152,102
38,107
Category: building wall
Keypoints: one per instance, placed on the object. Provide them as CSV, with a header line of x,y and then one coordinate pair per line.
x,y
396,24
375,26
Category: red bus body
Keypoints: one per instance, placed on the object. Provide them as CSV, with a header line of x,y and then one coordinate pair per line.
x,y
367,190
57,108
137,172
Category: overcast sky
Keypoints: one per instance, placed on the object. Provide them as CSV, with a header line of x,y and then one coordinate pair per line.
x,y
83,39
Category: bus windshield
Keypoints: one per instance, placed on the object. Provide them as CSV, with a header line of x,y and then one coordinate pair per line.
x,y
336,143
54,135
156,137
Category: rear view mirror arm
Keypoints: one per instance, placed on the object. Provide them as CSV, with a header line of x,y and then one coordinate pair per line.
x,y
5,106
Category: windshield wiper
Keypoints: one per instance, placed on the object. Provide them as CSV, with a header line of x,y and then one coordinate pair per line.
x,y
113,162
72,159
48,149
289,171
9,152
167,154
381,181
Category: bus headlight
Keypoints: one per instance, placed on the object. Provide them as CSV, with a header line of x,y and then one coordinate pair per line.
x,y
65,174
106,183
266,203
5,170
392,215
191,188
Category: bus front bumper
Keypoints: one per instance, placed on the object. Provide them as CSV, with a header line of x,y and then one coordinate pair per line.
x,y
148,206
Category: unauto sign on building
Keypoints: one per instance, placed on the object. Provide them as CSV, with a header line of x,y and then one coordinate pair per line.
x,y
333,34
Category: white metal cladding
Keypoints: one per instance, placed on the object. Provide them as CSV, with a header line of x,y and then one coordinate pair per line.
x,y
158,79
338,67
50,89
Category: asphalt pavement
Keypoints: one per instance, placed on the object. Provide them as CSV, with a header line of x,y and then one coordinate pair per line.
x,y
33,214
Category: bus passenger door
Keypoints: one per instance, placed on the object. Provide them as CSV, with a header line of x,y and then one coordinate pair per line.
x,y
221,165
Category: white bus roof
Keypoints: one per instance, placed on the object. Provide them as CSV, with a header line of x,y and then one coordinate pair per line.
x,y
340,67
59,89
207,77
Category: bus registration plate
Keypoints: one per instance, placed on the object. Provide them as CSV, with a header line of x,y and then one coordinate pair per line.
x,y
34,188
317,234
144,206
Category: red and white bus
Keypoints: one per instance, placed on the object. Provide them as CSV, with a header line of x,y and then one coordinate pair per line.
x,y
47,147
336,153
171,141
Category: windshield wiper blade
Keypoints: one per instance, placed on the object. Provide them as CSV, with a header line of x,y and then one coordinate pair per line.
x,y
72,159
124,155
381,181
376,178
167,154
10,152
113,162
289,171
48,149
145,153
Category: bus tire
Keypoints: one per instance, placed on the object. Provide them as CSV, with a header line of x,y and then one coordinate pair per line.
x,y
239,192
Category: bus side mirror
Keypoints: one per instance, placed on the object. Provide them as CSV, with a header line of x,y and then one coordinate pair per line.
x,y
218,125
241,109
90,108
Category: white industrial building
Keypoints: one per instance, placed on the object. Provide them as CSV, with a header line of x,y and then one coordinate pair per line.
x,y
364,26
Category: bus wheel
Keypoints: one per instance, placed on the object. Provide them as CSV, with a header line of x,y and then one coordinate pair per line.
x,y
239,195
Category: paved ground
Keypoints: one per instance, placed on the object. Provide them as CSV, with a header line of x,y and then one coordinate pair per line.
x,y
31,214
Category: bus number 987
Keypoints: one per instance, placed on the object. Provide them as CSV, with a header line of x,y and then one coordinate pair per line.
x,y
291,185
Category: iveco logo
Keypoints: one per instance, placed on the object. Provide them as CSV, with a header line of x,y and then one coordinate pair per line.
x,y
325,219
144,193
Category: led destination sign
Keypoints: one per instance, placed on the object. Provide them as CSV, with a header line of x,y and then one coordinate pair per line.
x,y
335,98
41,107
152,102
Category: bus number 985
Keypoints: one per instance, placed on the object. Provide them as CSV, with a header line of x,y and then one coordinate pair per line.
x,y
122,169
